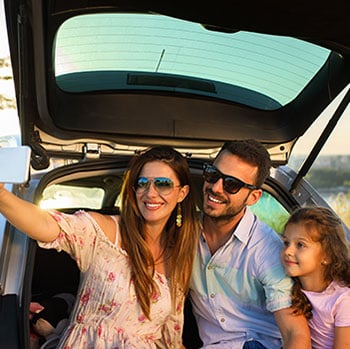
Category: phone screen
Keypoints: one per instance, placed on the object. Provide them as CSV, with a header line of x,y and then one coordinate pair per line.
x,y
14,164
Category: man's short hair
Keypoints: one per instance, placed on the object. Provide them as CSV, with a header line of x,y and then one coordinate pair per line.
x,y
254,153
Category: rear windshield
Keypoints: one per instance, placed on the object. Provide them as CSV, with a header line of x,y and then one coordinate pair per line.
x,y
124,51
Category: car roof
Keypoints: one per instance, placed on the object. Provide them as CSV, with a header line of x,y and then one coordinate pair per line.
x,y
134,73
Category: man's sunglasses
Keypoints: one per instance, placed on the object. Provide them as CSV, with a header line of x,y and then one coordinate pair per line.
x,y
231,184
162,185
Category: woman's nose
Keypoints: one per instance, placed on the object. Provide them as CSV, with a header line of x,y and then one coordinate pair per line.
x,y
152,189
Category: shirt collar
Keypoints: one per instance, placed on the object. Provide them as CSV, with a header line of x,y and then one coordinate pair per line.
x,y
243,231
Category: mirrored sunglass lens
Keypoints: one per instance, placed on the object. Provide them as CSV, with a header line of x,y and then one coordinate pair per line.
x,y
232,185
142,183
163,183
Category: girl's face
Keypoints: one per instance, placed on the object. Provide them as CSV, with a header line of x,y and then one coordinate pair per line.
x,y
302,257
155,203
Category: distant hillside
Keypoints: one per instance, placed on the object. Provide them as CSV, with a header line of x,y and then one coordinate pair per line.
x,y
328,171
333,162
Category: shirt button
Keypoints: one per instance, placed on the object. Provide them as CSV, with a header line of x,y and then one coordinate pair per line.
x,y
212,295
210,267
222,319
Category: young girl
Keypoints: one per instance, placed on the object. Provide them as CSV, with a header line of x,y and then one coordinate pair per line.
x,y
316,254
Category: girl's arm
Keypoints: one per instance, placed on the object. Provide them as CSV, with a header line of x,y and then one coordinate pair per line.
x,y
294,329
27,217
341,338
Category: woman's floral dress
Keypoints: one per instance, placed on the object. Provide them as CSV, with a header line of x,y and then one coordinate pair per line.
x,y
106,314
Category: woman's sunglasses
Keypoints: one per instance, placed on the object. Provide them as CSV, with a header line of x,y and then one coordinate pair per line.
x,y
231,184
162,185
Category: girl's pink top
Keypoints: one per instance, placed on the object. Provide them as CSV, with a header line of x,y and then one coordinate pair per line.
x,y
331,308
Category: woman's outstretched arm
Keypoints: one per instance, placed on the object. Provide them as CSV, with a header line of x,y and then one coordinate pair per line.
x,y
27,217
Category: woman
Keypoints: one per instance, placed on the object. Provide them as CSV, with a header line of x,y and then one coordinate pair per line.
x,y
135,267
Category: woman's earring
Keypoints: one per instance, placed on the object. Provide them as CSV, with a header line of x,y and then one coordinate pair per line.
x,y
179,216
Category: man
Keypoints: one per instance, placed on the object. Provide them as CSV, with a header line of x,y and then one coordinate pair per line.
x,y
240,293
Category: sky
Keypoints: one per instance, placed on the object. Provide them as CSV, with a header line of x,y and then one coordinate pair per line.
x,y
339,143
4,51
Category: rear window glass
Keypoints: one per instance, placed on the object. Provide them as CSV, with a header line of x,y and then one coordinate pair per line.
x,y
124,51
66,196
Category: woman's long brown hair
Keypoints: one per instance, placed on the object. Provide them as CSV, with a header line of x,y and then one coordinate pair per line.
x,y
181,240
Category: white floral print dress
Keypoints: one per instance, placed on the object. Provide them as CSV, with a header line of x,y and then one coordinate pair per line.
x,y
106,314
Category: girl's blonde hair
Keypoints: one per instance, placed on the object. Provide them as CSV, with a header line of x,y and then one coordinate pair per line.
x,y
325,227
181,240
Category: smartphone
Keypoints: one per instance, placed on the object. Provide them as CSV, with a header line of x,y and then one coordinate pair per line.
x,y
14,164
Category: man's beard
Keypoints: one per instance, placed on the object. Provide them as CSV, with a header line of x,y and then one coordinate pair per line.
x,y
226,216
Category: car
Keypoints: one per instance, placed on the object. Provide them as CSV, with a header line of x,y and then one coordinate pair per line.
x,y
99,81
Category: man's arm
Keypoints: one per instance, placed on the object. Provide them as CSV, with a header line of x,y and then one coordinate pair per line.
x,y
294,329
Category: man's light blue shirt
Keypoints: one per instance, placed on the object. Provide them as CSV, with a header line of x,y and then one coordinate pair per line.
x,y
235,291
